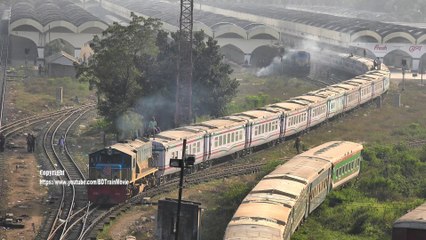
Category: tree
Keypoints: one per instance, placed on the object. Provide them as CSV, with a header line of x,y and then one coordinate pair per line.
x,y
134,69
212,86
114,67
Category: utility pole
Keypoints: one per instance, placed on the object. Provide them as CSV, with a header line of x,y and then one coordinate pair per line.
x,y
184,162
183,114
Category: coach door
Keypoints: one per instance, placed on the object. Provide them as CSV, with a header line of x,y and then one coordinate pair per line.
x,y
248,132
283,120
206,147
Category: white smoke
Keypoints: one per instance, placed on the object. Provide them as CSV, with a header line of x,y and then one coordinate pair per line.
x,y
271,68
309,46
128,124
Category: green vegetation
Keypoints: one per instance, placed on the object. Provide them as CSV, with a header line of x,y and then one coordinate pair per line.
x,y
104,234
227,199
361,210
36,94
254,92
392,181
137,74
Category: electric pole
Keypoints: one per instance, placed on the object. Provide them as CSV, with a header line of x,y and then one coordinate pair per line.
x,y
183,114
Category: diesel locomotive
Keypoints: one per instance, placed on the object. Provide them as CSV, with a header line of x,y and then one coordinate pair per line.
x,y
120,171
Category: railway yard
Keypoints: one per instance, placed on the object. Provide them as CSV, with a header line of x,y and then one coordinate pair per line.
x,y
285,132
212,194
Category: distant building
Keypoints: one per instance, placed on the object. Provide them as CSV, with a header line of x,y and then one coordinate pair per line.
x,y
61,64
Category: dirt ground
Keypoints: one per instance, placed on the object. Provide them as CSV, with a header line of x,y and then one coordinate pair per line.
x,y
139,221
23,194
20,191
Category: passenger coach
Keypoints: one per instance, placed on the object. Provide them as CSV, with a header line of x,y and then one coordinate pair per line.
x,y
411,226
284,198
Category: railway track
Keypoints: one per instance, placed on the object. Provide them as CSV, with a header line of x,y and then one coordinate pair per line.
x,y
97,219
73,200
15,126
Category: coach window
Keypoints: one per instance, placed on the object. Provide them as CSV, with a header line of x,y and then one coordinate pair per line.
x,y
215,141
198,147
255,130
233,137
220,140
270,127
224,139
241,135
236,135
194,148
229,138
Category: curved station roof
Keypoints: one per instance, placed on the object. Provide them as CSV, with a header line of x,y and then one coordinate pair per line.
x,y
212,23
341,24
43,15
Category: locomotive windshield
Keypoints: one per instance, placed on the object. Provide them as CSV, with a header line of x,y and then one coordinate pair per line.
x,y
116,158
109,165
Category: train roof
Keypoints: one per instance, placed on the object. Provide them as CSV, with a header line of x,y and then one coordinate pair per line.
x,y
288,106
344,86
220,123
301,168
285,187
249,229
359,82
267,211
126,147
312,99
327,92
333,151
415,219
372,75
198,129
270,197
258,113
179,134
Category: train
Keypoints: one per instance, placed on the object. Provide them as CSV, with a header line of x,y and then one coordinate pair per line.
x,y
230,136
297,63
411,226
284,198
120,171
